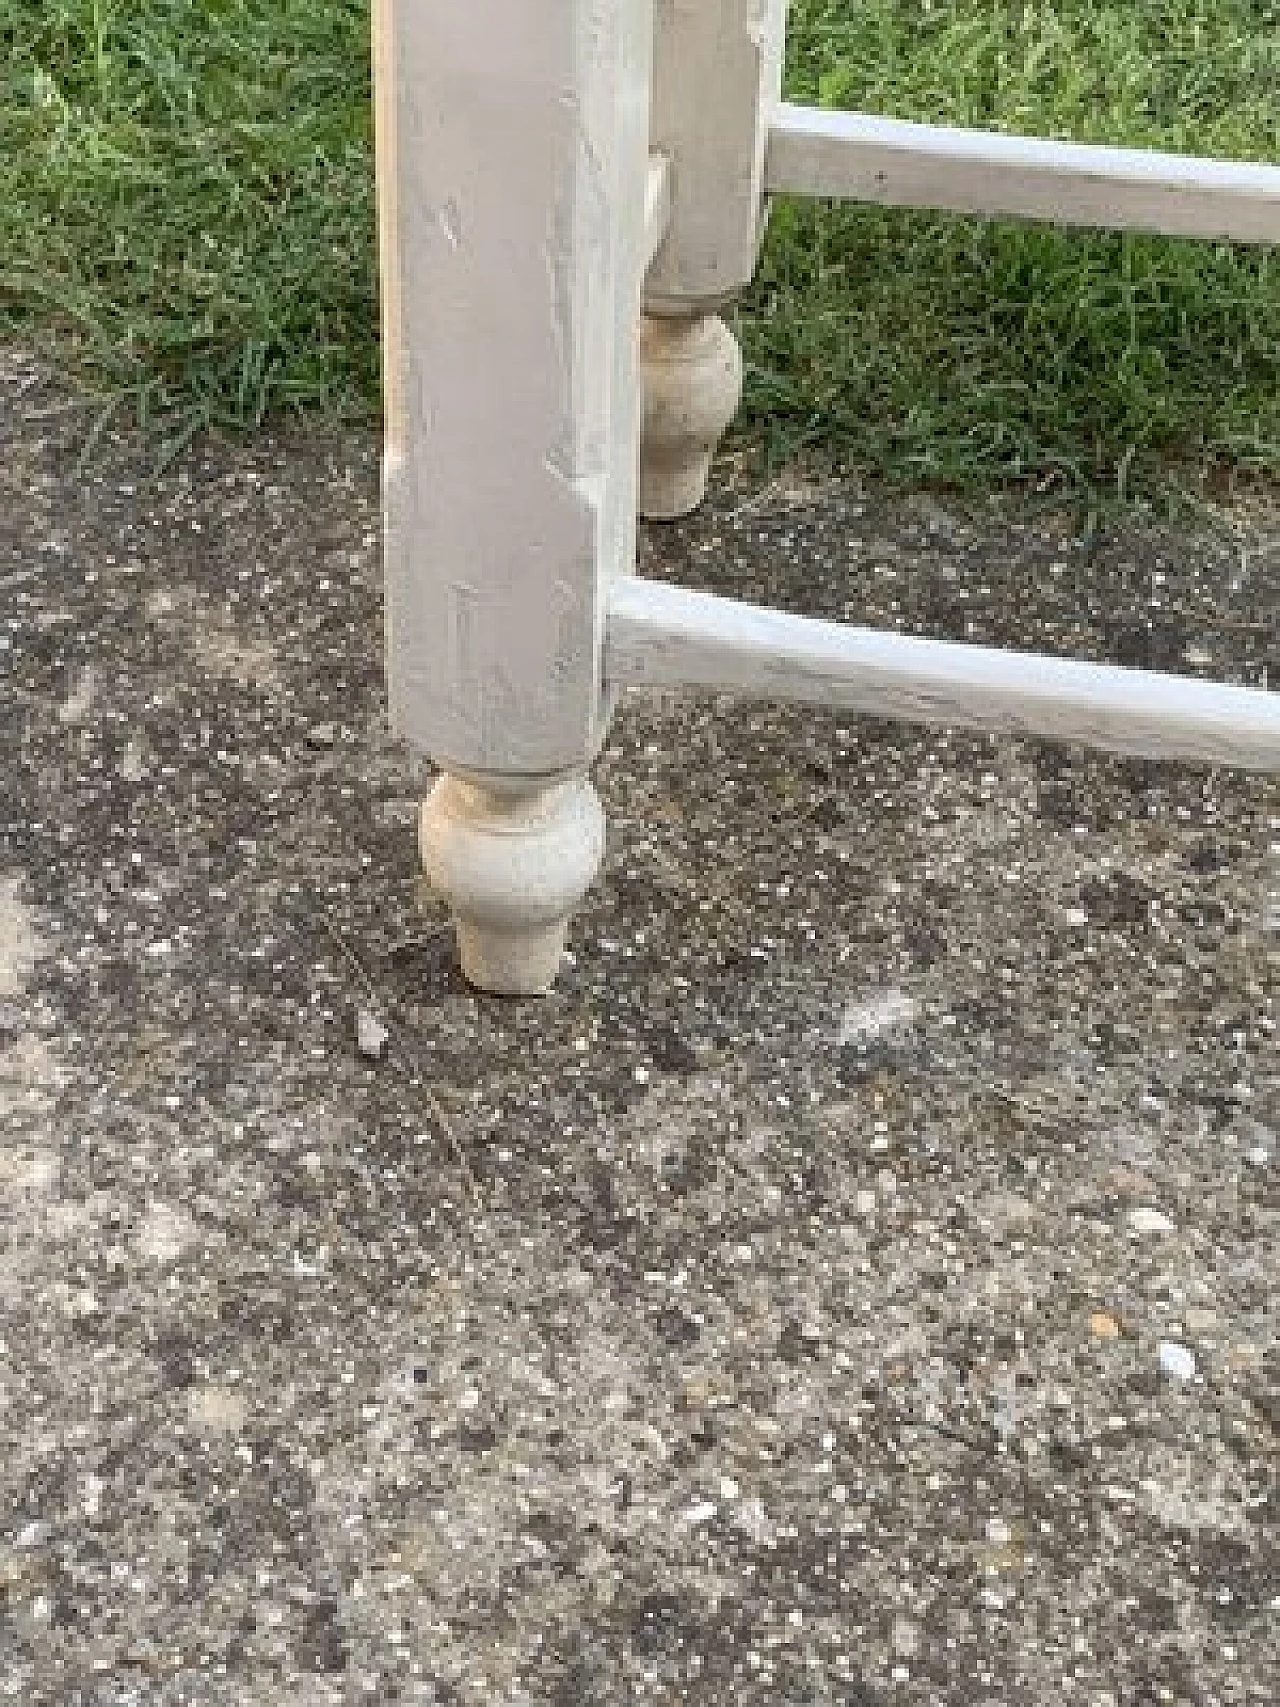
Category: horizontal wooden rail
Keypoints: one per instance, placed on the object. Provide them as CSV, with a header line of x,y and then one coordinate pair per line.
x,y
660,636
861,157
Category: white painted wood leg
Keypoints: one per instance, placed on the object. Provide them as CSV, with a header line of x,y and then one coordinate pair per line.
x,y
692,382
717,79
517,211
514,861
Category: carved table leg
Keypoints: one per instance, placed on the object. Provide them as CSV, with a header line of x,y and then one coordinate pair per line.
x,y
513,169
692,381
513,861
717,77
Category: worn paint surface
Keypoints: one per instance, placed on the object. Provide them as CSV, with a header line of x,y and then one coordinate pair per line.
x,y
717,75
864,157
513,159
662,637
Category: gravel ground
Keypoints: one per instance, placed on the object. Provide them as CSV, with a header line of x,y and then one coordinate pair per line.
x,y
856,1284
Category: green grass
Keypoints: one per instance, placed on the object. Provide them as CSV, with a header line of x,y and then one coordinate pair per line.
x,y
186,215
186,200
951,350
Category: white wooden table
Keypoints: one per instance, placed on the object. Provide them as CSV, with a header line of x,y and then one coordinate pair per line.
x,y
570,193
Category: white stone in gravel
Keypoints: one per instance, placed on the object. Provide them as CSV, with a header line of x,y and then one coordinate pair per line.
x,y
1177,1361
1150,1221
166,1233
754,1521
372,1036
217,1410
876,1015
701,1511
79,702
998,1532
906,1638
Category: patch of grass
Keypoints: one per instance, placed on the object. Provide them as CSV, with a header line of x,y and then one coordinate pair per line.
x,y
928,347
186,213
186,200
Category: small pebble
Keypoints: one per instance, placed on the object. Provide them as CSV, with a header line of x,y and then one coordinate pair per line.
x,y
876,1015
1150,1221
702,1511
321,735
1103,1325
1176,1361
372,1036
905,1638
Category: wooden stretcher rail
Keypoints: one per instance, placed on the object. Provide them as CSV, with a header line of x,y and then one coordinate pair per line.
x,y
861,157
657,206
661,636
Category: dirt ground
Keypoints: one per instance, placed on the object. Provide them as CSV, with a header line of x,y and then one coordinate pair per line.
x,y
856,1284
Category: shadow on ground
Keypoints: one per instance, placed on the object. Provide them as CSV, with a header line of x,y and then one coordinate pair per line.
x,y
855,1284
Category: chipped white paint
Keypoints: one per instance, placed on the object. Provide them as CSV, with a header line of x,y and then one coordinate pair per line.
x,y
669,637
863,157
717,78
513,158
514,173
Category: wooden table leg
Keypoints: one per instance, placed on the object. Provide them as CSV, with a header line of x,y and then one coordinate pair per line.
x,y
513,161
717,77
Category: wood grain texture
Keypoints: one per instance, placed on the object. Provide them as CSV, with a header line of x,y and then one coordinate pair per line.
x,y
861,157
661,636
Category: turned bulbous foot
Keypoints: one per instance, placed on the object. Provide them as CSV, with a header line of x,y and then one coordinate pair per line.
x,y
692,377
513,861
